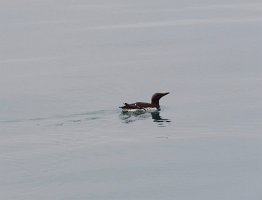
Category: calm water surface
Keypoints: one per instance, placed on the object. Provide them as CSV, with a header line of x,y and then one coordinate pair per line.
x,y
66,67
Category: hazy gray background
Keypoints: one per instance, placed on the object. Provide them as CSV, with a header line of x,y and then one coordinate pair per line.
x,y
66,66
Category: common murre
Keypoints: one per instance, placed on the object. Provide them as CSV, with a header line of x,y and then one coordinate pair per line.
x,y
142,106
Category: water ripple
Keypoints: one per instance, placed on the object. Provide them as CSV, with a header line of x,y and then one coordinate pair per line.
x,y
133,117
74,118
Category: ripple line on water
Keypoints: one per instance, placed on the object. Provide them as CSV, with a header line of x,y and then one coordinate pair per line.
x,y
93,115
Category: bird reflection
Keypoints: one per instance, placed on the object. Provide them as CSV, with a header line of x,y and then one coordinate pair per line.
x,y
158,119
132,117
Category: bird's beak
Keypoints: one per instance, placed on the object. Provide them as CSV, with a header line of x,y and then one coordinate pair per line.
x,y
164,94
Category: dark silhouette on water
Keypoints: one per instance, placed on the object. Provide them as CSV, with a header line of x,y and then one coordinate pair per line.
x,y
143,106
129,117
158,119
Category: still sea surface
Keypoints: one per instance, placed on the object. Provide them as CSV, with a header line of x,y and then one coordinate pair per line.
x,y
65,68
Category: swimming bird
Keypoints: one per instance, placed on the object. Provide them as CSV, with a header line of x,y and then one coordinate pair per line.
x,y
142,106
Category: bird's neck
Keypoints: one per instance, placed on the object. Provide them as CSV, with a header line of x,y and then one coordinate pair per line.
x,y
155,102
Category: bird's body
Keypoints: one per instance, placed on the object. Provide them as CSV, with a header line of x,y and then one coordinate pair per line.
x,y
138,106
143,106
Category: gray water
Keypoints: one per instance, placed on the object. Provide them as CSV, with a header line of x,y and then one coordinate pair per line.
x,y
66,66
